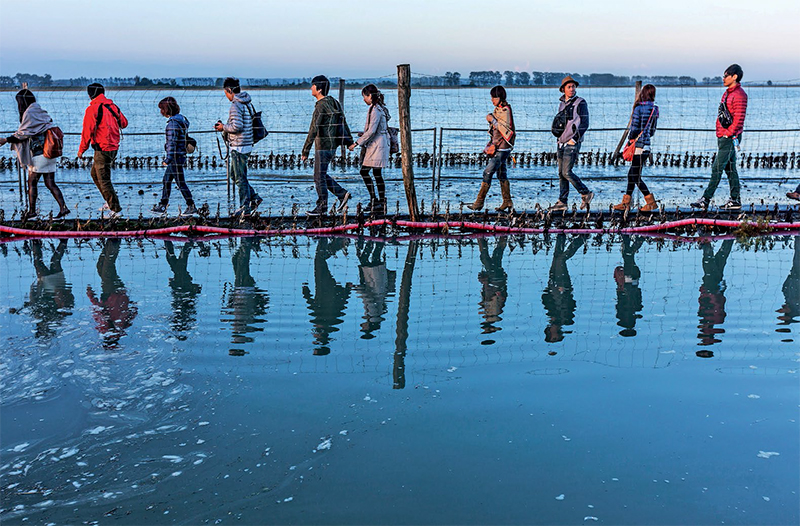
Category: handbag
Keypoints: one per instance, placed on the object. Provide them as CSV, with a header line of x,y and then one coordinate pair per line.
x,y
191,144
630,148
394,140
53,143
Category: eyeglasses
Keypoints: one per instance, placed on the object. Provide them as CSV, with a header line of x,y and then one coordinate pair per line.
x,y
725,75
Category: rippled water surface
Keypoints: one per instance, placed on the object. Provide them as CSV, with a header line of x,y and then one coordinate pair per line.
x,y
559,380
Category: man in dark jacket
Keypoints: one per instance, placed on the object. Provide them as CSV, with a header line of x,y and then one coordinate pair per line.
x,y
569,145
101,125
328,131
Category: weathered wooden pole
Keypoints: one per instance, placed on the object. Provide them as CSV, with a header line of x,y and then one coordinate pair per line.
x,y
341,101
403,104
616,157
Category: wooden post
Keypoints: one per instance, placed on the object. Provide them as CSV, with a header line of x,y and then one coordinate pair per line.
x,y
616,157
403,104
341,101
433,162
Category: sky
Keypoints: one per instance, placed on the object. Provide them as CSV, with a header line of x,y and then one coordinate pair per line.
x,y
356,39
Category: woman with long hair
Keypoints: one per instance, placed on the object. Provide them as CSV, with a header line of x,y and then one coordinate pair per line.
x,y
375,143
503,134
643,127
28,142
177,132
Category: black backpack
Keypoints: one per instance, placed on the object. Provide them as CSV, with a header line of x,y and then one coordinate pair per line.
x,y
259,130
561,119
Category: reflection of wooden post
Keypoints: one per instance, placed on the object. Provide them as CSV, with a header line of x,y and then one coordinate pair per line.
x,y
341,101
403,303
403,103
616,157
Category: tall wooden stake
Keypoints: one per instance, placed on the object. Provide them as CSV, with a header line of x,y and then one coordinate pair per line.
x,y
403,104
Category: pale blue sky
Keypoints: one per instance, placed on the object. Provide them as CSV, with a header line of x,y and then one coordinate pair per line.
x,y
298,38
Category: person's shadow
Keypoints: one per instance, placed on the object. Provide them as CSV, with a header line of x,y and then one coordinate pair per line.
x,y
113,311
711,310
184,290
376,284
51,298
245,304
494,284
629,295
329,301
558,299
790,310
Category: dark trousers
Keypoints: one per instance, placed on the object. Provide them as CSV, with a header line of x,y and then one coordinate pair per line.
x,y
635,175
379,183
101,175
567,155
324,182
174,172
725,160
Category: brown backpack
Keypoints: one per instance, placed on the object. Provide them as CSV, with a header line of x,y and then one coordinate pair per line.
x,y
53,143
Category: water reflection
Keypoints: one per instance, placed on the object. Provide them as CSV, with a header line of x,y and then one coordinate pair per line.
x,y
494,290
50,299
790,310
712,295
113,311
329,301
184,290
558,299
376,284
403,313
245,304
629,295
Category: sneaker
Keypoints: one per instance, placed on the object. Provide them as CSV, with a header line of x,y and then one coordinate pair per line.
x,y
558,207
585,200
701,203
343,202
104,208
257,200
318,211
115,215
732,204
793,195
240,213
159,208
190,210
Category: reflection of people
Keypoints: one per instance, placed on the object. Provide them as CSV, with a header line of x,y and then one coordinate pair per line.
x,y
494,280
184,291
376,283
712,294
246,302
790,311
51,298
113,310
629,295
328,304
558,301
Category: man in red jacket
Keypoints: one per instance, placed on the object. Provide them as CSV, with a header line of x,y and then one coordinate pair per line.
x,y
101,125
730,123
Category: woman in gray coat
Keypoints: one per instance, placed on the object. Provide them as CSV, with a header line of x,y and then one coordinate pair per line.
x,y
375,143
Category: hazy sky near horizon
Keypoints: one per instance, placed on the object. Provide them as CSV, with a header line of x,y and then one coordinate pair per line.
x,y
300,38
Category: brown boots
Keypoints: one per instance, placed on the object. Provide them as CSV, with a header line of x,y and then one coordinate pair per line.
x,y
505,190
649,206
625,204
478,204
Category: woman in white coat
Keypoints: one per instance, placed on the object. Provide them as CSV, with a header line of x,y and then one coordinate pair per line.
x,y
375,144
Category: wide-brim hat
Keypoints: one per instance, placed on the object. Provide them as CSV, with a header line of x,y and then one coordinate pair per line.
x,y
566,81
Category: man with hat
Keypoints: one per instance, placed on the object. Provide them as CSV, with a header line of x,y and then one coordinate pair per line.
x,y
574,111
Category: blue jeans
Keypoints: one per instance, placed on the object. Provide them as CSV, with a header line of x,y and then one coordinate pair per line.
x,y
324,182
174,172
497,163
238,168
567,155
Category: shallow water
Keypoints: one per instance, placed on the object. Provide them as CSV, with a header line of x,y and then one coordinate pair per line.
x,y
479,380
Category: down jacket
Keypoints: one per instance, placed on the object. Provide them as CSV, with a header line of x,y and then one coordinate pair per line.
x,y
239,128
175,146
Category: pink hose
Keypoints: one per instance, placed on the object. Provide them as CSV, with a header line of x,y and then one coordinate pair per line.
x,y
424,225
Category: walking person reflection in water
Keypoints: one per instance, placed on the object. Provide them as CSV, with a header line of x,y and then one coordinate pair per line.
x,y
558,300
246,304
329,301
376,283
494,289
113,310
184,290
712,296
790,311
629,295
50,299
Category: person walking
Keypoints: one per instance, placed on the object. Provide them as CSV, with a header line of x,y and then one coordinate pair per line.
x,y
102,123
28,143
328,131
573,114
238,133
730,123
503,133
375,148
177,132
643,126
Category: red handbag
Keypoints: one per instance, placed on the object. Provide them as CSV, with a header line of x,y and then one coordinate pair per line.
x,y
53,143
630,148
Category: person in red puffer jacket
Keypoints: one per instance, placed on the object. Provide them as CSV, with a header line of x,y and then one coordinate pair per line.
x,y
730,123
101,125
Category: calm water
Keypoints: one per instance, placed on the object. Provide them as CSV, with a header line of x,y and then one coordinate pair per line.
x,y
482,380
